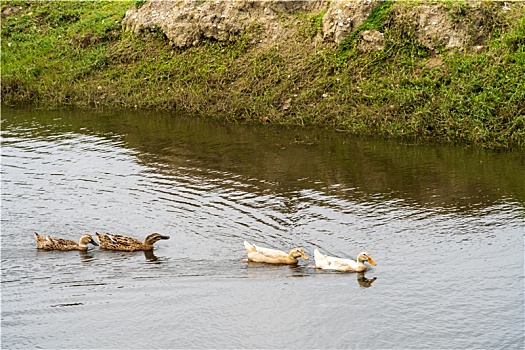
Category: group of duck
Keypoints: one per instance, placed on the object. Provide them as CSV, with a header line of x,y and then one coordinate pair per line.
x,y
325,262
254,252
107,241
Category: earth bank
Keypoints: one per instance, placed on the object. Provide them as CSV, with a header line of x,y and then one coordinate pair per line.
x,y
446,71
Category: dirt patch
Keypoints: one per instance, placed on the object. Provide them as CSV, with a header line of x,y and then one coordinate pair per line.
x,y
9,10
371,40
434,62
465,25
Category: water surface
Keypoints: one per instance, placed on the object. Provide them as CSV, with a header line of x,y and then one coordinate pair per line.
x,y
444,224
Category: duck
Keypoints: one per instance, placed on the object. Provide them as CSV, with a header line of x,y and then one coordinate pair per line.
x,y
326,262
273,256
128,244
52,243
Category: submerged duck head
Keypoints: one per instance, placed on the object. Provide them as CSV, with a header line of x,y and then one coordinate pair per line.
x,y
298,253
365,257
154,237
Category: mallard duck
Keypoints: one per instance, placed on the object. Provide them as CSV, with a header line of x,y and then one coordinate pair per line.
x,y
128,244
273,256
51,243
332,263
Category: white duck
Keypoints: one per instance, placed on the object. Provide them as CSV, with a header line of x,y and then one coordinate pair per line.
x,y
273,256
326,262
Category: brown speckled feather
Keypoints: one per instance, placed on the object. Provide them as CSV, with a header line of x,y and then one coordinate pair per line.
x,y
128,244
52,243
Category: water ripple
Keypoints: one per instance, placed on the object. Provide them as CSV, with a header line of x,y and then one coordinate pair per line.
x,y
445,271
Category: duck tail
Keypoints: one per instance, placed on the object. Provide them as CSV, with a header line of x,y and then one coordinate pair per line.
x,y
249,247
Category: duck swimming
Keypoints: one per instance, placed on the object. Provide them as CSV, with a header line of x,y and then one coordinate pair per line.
x,y
326,262
273,256
51,243
128,244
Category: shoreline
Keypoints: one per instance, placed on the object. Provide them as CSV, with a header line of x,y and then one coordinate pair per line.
x,y
84,55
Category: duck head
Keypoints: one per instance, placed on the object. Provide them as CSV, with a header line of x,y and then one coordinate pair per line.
x,y
298,253
85,240
365,257
154,237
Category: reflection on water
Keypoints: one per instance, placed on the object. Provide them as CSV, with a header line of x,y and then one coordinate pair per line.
x,y
86,256
427,214
365,282
150,256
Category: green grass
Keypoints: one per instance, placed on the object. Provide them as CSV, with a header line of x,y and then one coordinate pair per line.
x,y
57,54
48,47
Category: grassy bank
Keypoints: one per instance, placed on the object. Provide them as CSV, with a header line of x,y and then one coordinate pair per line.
x,y
57,54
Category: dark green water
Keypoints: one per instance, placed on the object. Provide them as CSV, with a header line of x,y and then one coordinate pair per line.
x,y
444,224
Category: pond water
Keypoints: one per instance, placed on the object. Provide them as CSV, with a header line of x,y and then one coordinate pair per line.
x,y
444,224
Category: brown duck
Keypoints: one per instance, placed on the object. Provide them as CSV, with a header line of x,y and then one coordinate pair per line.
x,y
128,244
51,243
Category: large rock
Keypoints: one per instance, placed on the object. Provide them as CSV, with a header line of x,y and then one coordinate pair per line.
x,y
187,23
344,16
